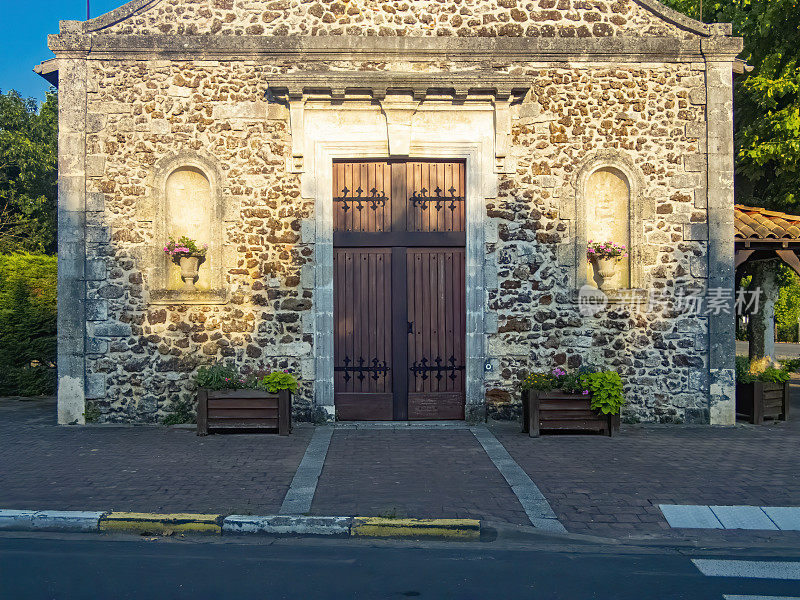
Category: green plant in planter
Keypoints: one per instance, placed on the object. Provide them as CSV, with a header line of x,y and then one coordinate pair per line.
x,y
605,386
278,380
555,379
606,389
764,370
220,376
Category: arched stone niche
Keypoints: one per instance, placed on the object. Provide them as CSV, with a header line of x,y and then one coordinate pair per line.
x,y
188,212
608,219
187,199
610,205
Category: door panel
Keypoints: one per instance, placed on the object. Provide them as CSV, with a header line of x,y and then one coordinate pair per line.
x,y
363,337
436,197
362,196
399,230
437,320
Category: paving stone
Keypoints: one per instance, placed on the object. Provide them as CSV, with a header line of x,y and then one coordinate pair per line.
x,y
647,465
418,473
690,516
44,466
596,485
743,517
787,518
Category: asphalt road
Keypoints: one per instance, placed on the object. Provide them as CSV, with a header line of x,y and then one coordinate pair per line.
x,y
38,566
782,349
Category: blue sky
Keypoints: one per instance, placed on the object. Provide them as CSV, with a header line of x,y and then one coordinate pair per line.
x,y
24,25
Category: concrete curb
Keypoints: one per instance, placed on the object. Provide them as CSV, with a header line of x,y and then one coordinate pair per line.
x,y
160,523
453,529
287,525
49,520
299,525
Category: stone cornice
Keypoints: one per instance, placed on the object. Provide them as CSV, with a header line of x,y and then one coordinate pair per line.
x,y
377,83
189,47
722,49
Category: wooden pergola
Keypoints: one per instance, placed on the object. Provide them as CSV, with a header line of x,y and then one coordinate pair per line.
x,y
762,234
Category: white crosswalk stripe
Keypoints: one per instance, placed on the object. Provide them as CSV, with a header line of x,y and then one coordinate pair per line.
x,y
752,569
734,597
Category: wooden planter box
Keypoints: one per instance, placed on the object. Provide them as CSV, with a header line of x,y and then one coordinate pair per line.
x,y
762,400
555,411
250,410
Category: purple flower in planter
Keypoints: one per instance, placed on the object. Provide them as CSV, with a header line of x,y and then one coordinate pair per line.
x,y
585,392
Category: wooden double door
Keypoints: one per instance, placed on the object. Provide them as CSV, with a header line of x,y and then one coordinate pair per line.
x,y
399,308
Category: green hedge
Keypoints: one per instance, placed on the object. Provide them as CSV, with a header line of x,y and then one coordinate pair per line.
x,y
27,324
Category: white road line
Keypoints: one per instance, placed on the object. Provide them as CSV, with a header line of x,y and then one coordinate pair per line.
x,y
751,569
733,597
304,484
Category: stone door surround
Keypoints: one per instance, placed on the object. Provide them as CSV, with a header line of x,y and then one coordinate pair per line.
x,y
392,115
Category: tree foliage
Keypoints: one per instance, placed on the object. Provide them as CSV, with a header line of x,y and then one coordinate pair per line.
x,y
767,101
787,306
27,324
28,173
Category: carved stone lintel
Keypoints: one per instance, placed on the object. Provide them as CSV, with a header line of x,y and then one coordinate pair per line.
x,y
398,125
408,92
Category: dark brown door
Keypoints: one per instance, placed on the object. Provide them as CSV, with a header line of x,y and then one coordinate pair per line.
x,y
436,333
399,311
363,341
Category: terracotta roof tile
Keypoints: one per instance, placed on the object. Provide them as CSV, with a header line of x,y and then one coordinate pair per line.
x,y
759,223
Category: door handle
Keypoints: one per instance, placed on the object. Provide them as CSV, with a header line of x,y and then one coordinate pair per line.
x,y
411,327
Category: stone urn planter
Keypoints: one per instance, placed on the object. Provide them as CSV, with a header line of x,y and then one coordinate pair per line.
x,y
554,411
761,400
244,410
190,266
607,269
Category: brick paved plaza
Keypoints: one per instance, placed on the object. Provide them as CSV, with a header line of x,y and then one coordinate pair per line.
x,y
596,485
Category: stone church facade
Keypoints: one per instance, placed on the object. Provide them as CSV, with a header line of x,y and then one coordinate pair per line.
x,y
245,124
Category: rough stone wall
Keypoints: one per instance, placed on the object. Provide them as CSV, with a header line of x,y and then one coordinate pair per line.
x,y
655,116
140,356
463,18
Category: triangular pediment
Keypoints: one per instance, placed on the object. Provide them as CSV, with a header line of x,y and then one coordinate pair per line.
x,y
410,18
